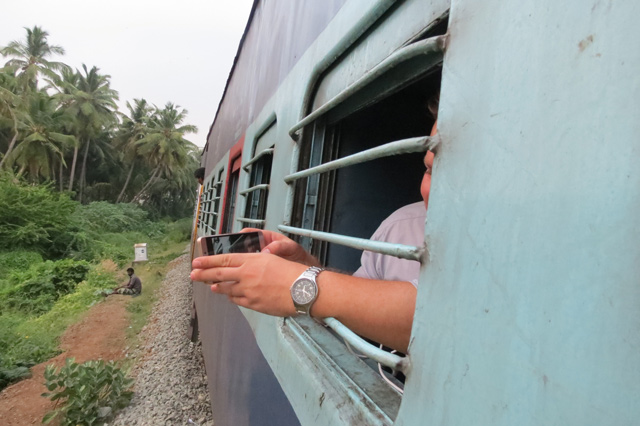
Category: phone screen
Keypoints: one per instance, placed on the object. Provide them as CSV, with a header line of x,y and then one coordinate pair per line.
x,y
243,242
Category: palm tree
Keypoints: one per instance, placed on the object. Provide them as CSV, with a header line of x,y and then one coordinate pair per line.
x,y
43,144
165,147
11,112
30,57
134,127
91,101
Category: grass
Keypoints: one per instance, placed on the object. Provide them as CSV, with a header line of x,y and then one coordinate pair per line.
x,y
151,274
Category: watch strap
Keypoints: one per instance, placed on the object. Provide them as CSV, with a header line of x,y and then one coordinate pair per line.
x,y
310,273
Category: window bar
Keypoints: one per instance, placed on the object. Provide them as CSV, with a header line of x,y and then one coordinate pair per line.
x,y
432,46
212,230
253,221
419,144
383,357
268,151
368,18
398,250
254,188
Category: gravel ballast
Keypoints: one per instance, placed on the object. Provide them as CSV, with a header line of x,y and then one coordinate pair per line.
x,y
170,379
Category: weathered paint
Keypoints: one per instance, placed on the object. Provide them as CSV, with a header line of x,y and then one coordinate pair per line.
x,y
530,309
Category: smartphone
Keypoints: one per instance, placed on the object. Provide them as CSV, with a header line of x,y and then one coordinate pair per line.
x,y
241,242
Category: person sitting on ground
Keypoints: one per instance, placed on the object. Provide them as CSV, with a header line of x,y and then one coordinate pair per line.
x,y
131,287
377,302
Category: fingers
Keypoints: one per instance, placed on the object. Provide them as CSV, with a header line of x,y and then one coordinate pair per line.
x,y
228,288
230,260
250,230
282,248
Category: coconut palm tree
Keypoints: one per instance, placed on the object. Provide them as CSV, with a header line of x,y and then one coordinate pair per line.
x,y
30,57
134,127
11,112
165,147
89,98
42,142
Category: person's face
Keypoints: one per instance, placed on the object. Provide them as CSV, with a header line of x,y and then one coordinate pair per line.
x,y
200,181
130,273
425,186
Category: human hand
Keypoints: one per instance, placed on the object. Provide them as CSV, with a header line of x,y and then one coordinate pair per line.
x,y
258,281
286,248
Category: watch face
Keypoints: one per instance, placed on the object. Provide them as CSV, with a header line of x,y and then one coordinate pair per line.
x,y
303,291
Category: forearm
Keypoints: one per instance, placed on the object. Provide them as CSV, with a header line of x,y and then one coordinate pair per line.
x,y
379,310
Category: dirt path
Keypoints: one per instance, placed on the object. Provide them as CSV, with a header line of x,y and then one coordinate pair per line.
x,y
100,335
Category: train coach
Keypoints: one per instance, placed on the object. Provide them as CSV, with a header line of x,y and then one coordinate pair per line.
x,y
528,303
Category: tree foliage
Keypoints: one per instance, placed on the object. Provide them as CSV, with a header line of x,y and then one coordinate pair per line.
x,y
32,216
70,133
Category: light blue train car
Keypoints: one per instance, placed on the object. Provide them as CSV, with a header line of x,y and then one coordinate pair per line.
x,y
528,305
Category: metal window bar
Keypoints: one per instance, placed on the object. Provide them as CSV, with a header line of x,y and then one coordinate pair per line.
x,y
211,229
398,250
369,17
419,144
383,357
404,146
268,151
254,188
253,221
432,46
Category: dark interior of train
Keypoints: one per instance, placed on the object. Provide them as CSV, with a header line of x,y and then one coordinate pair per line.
x,y
365,194
354,200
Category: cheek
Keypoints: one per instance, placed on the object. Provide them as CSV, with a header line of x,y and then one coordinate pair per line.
x,y
425,188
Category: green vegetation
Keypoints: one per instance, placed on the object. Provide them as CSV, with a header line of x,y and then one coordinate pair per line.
x,y
80,183
86,394
69,253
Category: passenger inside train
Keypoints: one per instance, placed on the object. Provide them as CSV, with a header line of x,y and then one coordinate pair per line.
x,y
285,280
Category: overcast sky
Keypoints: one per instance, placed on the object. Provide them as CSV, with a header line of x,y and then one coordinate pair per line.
x,y
160,50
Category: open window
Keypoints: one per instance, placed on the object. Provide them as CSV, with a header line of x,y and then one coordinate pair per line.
x,y
210,204
232,195
259,169
361,158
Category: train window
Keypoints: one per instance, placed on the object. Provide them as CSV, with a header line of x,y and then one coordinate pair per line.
x,y
231,197
354,200
259,169
210,204
217,195
362,159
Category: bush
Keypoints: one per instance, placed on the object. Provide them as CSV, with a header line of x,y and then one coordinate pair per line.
x,y
26,341
180,230
18,259
86,394
32,217
35,290
10,371
104,217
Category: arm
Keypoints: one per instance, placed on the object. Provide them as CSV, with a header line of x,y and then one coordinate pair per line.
x,y
379,310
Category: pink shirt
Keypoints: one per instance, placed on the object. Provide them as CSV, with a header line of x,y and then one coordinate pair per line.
x,y
404,226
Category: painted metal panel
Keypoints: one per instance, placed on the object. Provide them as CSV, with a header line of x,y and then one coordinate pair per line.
x,y
243,389
277,35
529,312
401,23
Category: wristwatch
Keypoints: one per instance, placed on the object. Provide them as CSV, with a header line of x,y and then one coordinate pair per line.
x,y
304,290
